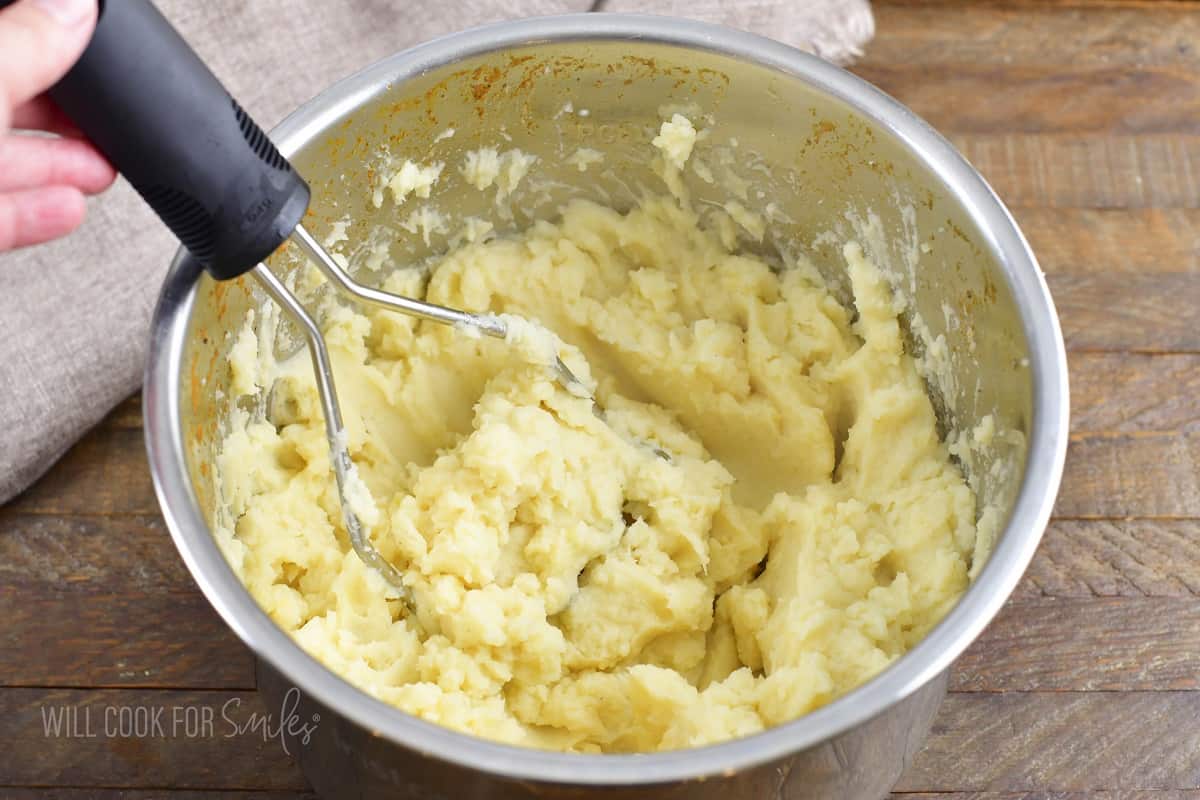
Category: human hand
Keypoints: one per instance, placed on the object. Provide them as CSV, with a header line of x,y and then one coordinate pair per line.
x,y
43,179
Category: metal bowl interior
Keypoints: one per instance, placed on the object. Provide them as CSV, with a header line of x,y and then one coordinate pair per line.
x,y
834,157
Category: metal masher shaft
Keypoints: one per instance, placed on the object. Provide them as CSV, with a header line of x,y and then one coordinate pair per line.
x,y
339,453
334,431
485,323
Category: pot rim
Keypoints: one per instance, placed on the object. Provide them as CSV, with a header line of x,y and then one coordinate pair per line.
x,y
934,654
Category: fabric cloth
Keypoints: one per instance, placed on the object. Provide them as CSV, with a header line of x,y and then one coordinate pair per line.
x,y
75,314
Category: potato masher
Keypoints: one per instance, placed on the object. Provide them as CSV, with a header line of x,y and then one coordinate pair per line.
x,y
160,116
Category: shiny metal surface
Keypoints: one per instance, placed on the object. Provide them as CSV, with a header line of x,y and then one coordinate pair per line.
x,y
835,156
484,323
344,760
488,324
335,432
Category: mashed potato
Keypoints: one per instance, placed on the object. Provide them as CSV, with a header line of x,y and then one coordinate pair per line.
x,y
573,590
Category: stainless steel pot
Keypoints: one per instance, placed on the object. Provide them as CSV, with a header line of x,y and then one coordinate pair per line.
x,y
837,158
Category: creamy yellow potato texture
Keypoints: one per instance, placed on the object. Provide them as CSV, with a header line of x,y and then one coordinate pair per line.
x,y
574,590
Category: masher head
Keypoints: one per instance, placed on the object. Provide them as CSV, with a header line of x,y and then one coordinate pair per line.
x,y
348,481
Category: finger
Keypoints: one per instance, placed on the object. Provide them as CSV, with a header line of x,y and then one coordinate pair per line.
x,y
39,41
41,114
34,216
27,162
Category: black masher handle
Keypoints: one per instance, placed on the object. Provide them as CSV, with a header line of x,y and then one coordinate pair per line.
x,y
165,122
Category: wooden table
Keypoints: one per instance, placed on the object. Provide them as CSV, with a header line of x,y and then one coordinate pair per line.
x,y
1086,119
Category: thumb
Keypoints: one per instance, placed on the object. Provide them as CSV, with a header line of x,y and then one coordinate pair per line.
x,y
39,41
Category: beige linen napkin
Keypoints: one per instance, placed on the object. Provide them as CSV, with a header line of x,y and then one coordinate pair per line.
x,y
74,314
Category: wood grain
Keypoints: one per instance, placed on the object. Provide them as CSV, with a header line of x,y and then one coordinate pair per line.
x,y
1131,475
1149,643
126,639
1090,240
1130,311
1087,170
1115,644
98,554
1133,794
931,34
1110,391
103,555
106,601
1021,98
1065,741
1134,392
105,473
127,415
218,758
1073,741
102,630
31,793
1083,114
1088,5
14,793
1116,558
1119,475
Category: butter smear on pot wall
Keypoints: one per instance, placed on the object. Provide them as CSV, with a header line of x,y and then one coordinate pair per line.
x,y
574,590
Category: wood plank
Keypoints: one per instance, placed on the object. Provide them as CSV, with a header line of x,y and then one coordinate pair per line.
x,y
1074,741
1043,644
1115,558
127,415
1061,741
1041,34
22,793
105,473
59,793
1137,311
1146,5
1134,392
1115,644
1118,475
1087,170
104,555
126,639
214,758
1022,98
1170,794
1088,240
1109,392
1101,241
123,636
1131,475
1078,558
107,601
